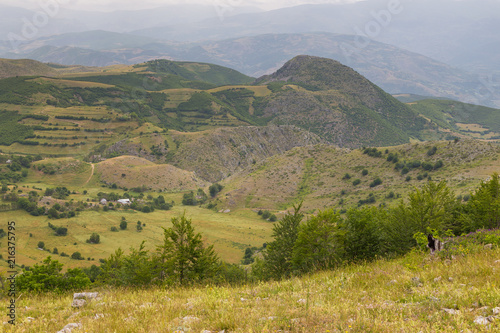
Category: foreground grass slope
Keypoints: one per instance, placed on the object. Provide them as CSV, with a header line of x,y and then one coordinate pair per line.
x,y
408,294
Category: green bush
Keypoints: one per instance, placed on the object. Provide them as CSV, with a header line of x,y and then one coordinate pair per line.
x,y
47,277
94,239
123,225
377,181
77,256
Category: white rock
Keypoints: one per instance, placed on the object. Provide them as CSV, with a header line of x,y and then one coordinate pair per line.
x,y
85,295
78,303
488,246
437,279
190,319
302,301
451,311
98,316
496,310
482,320
68,328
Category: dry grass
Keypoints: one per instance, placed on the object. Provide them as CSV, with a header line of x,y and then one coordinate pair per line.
x,y
131,171
383,296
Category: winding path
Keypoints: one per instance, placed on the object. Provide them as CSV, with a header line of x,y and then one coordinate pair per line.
x,y
91,174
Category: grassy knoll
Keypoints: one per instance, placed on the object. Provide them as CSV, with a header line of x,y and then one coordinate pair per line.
x,y
408,294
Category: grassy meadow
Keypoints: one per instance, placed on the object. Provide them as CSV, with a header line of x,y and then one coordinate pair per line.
x,y
414,293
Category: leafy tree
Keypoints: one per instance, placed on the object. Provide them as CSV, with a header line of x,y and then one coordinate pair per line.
x,y
431,207
215,189
279,253
41,245
363,233
182,257
319,243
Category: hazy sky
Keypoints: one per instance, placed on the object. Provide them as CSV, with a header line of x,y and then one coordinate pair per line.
x,y
107,5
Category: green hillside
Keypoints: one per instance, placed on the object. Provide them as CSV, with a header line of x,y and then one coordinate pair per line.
x,y
325,176
341,105
467,119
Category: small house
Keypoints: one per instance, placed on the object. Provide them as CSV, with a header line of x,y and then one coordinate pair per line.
x,y
124,201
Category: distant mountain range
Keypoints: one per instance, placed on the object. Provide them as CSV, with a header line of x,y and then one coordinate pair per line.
x,y
393,69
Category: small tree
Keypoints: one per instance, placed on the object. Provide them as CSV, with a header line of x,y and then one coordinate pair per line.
x,y
182,256
77,256
123,225
94,239
41,245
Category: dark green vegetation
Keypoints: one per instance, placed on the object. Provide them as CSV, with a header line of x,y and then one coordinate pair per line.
x,y
328,240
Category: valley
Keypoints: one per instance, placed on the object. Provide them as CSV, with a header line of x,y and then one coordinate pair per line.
x,y
162,128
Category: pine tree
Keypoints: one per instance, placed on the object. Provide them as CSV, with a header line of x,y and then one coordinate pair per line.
x,y
182,257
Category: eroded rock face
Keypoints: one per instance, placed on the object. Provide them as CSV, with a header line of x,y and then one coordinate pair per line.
x,y
222,152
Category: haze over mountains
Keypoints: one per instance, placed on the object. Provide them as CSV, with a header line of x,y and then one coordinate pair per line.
x,y
434,48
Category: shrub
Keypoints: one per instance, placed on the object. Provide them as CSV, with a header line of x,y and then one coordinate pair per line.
x,y
48,277
356,182
364,172
41,245
377,181
432,151
123,225
77,256
346,176
94,239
